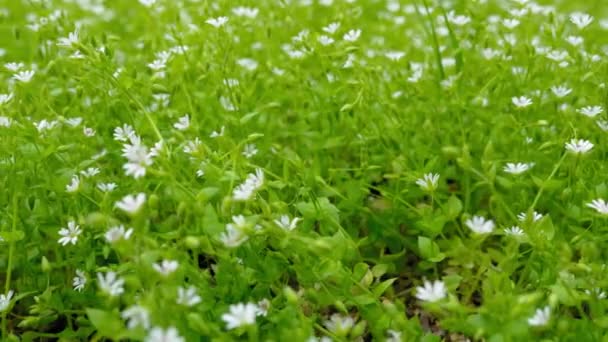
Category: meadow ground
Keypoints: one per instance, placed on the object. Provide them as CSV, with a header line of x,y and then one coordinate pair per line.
x,y
303,170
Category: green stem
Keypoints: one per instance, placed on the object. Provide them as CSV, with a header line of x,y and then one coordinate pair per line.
x,y
542,188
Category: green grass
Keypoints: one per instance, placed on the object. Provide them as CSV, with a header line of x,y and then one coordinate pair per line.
x,y
291,203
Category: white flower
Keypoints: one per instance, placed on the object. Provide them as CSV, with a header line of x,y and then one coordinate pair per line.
x,y
164,335
216,134
458,20
90,172
247,63
227,104
331,28
233,237
5,121
535,216
263,307
247,12
557,55
431,292
158,65
44,125
138,157
286,223
79,281
110,283
106,187
581,20
88,131
217,22
123,133
136,315
602,124
591,111
325,40
69,234
24,76
352,35
14,66
250,150
253,183
599,205
5,98
521,102
74,122
131,204
147,3
514,231
166,267
541,317
394,55
188,296
118,233
517,168
429,181
597,293
182,123
5,300
70,41
561,91
575,40
240,315
339,324
480,225
579,146
74,185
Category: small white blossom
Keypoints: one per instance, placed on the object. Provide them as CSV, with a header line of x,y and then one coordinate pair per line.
x,y
522,101
24,76
514,231
247,63
117,233
579,146
331,28
247,12
541,317
110,283
339,324
182,123
517,168
286,223
106,187
74,184
561,91
90,172
240,315
428,182
5,98
70,41
535,216
166,267
14,66
431,291
5,300
217,22
216,134
136,316
591,111
480,225
263,307
79,281
581,20
188,296
123,133
325,40
164,335
250,150
352,35
599,205
69,234
131,204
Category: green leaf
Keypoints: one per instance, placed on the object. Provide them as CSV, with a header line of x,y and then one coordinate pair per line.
x,y
429,250
13,236
453,208
108,324
383,286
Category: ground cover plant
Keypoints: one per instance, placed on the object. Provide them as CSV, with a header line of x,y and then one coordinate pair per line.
x,y
303,170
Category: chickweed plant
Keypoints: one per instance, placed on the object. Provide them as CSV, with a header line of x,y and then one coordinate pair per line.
x,y
303,170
